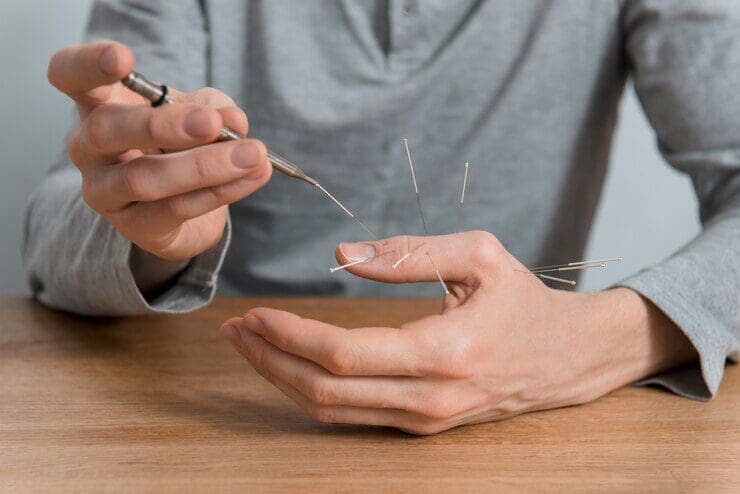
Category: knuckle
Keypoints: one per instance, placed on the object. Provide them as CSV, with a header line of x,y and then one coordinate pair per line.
x,y
487,249
202,166
177,208
320,392
438,406
131,181
96,128
73,146
220,194
324,414
88,191
258,358
153,126
135,182
340,361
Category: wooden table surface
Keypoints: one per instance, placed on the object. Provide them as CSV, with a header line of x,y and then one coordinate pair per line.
x,y
161,403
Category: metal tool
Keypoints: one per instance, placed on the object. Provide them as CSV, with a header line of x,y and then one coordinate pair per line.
x,y
157,94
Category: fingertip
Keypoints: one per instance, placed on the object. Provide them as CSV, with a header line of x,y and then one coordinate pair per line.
x,y
357,251
203,123
253,323
262,169
268,317
248,156
339,255
115,60
230,331
235,119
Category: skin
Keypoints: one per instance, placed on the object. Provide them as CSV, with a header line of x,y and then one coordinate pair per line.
x,y
504,343
156,174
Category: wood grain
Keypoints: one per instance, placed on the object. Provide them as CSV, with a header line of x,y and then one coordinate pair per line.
x,y
160,403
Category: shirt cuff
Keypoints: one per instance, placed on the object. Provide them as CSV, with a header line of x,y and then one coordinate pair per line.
x,y
664,289
191,290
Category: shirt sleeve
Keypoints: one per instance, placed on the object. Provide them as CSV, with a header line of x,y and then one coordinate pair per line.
x,y
74,259
685,59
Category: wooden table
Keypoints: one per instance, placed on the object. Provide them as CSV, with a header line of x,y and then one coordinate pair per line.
x,y
162,403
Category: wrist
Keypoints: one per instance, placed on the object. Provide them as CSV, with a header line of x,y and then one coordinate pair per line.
x,y
637,339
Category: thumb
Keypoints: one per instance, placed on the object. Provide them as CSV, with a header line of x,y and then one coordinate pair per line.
x,y
407,259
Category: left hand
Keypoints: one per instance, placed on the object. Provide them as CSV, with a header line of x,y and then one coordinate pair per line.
x,y
504,343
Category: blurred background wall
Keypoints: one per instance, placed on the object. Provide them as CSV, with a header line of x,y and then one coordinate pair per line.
x,y
646,212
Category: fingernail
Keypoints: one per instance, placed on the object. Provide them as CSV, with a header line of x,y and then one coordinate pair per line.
x,y
108,62
357,251
245,155
253,323
198,123
231,333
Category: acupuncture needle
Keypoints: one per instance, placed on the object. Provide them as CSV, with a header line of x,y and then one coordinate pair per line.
x,y
354,263
416,187
575,265
347,211
439,276
421,212
462,198
571,266
407,255
158,94
553,278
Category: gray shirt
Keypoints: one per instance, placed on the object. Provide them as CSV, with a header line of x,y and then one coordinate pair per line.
x,y
527,91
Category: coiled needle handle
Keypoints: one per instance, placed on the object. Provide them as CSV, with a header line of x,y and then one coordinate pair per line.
x,y
157,94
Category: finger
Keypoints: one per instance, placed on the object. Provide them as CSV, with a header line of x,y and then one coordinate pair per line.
x,y
113,129
258,351
359,352
324,388
86,72
462,257
182,185
233,117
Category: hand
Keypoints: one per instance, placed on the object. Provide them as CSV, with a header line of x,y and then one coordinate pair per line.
x,y
155,174
504,344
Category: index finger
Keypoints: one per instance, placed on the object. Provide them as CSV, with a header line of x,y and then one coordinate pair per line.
x,y
373,351
85,72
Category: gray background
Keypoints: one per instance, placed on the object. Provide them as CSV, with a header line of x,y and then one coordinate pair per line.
x,y
647,211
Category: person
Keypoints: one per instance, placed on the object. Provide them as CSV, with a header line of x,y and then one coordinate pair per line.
x,y
147,210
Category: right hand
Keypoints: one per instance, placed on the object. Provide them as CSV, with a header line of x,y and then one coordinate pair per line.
x,y
156,174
